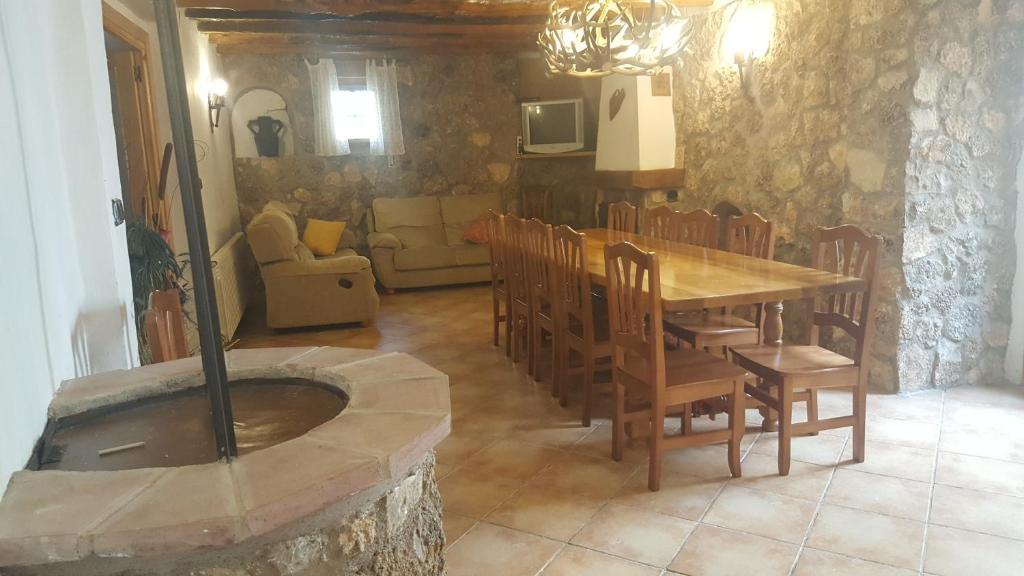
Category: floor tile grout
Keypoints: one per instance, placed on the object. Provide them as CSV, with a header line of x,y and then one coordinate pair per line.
x,y
931,492
817,510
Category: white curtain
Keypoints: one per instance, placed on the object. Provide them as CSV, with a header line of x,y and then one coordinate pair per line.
x,y
324,79
382,82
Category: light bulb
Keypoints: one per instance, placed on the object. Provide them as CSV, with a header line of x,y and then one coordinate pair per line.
x,y
218,87
749,34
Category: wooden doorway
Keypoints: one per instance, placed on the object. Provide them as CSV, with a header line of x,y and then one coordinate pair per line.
x,y
138,146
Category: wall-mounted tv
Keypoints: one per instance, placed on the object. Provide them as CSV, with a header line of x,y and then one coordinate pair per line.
x,y
553,126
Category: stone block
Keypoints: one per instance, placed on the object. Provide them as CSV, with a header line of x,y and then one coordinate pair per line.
x,y
429,394
359,534
45,516
929,82
867,169
292,480
397,439
402,500
185,508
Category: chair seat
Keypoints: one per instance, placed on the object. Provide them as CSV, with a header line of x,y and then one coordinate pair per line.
x,y
708,324
785,360
688,367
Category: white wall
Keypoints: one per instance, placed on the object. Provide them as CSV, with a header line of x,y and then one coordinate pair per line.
x,y
1015,352
65,291
213,149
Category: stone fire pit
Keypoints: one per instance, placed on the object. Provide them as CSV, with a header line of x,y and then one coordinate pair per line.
x,y
354,495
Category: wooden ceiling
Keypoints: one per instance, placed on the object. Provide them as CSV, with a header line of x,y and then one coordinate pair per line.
x,y
372,26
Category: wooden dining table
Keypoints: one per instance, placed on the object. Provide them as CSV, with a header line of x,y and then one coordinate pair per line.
x,y
695,278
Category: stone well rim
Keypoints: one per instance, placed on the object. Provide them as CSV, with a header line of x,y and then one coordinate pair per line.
x,y
399,409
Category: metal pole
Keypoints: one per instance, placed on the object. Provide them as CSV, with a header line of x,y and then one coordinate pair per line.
x,y
191,186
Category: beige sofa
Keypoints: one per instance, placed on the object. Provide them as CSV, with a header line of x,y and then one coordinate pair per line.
x,y
417,242
303,290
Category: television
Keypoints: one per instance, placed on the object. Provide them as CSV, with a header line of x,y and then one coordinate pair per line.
x,y
553,126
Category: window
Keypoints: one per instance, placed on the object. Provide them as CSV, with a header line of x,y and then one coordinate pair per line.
x,y
355,114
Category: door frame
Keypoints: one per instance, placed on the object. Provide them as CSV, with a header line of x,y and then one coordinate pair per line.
x,y
135,36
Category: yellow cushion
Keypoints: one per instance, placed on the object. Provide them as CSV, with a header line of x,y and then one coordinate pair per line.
x,y
322,236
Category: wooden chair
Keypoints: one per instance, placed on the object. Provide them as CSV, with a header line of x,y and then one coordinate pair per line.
x,y
658,223
750,235
517,311
725,210
699,228
537,204
584,331
540,273
622,217
650,384
499,289
165,327
786,369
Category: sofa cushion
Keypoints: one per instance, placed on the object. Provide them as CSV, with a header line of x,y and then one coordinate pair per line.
x,y
425,258
472,254
389,213
459,213
323,236
419,236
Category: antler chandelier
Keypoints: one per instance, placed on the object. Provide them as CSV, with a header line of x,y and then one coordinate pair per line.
x,y
601,37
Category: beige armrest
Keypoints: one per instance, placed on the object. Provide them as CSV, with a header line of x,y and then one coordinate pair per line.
x,y
342,265
383,240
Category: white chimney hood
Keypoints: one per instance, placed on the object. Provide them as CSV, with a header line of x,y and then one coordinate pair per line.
x,y
637,130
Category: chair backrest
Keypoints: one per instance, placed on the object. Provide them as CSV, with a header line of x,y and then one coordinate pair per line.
x,y
515,258
540,260
165,326
850,251
622,217
751,235
725,210
573,279
537,204
658,223
496,244
699,228
634,309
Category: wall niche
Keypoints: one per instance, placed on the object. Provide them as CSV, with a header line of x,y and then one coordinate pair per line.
x,y
261,126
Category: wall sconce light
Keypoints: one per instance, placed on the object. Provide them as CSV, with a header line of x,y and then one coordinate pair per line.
x,y
748,38
215,99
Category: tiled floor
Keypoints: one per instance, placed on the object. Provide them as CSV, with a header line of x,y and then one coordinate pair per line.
x,y
529,491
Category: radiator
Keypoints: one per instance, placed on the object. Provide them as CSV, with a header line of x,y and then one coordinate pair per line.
x,y
233,271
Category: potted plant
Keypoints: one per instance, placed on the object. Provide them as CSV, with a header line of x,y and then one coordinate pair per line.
x,y
154,267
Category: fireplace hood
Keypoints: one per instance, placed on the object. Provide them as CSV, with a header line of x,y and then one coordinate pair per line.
x,y
636,131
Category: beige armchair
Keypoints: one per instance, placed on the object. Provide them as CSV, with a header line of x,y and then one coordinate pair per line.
x,y
303,290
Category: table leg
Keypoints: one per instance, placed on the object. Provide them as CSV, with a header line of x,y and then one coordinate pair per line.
x,y
772,336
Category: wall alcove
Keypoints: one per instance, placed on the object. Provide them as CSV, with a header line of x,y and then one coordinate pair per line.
x,y
260,109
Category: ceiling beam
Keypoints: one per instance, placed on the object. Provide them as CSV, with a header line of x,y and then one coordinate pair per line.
x,y
362,8
382,9
363,28
228,43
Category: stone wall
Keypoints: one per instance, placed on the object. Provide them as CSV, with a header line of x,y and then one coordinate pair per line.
x,y
961,195
893,115
460,120
818,138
